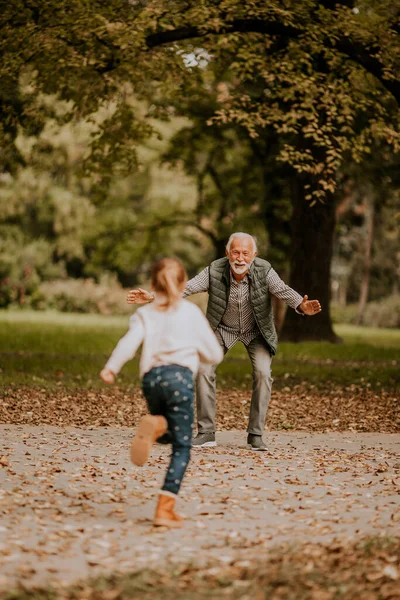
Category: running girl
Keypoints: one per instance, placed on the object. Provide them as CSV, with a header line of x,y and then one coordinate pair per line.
x,y
176,338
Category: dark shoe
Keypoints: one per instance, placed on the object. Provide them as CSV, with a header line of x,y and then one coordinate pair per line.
x,y
256,442
204,440
165,439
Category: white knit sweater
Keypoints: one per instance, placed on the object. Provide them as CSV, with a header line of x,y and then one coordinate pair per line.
x,y
179,336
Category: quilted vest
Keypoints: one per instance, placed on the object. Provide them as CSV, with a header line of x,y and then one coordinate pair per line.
x,y
218,296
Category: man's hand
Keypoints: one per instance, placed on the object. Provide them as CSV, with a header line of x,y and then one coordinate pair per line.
x,y
139,296
107,376
310,307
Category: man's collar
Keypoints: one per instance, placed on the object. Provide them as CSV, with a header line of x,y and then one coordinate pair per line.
x,y
233,277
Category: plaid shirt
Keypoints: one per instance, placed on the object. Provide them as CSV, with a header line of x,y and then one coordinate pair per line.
x,y
238,323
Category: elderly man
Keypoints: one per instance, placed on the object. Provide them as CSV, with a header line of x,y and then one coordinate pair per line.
x,y
239,310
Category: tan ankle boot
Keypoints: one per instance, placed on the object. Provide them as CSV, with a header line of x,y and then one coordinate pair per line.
x,y
165,514
150,428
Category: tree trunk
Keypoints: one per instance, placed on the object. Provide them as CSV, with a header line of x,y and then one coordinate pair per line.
x,y
220,245
279,308
312,246
364,288
343,293
277,211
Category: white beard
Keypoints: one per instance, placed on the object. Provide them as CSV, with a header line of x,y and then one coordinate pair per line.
x,y
239,269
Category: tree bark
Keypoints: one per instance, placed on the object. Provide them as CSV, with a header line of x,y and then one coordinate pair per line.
x,y
279,308
312,245
343,293
278,229
364,288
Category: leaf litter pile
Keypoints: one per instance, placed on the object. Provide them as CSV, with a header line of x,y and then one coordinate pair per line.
x,y
302,407
368,569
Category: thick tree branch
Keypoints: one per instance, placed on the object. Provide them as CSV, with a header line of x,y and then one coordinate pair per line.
x,y
332,4
235,26
158,225
365,58
224,194
360,54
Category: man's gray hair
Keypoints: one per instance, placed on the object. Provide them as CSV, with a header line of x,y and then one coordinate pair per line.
x,y
240,234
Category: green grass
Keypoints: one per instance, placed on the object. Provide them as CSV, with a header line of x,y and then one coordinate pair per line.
x,y
367,358
48,349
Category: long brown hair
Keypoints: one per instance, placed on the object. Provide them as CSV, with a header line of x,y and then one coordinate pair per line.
x,y
167,277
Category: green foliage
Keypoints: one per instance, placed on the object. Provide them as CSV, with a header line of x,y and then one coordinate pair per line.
x,y
70,50
82,296
304,71
369,196
321,75
24,263
384,313
118,224
229,181
344,314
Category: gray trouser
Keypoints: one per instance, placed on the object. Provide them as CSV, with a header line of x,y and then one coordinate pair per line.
x,y
262,384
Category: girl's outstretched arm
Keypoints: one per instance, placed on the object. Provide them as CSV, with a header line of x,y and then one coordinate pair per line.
x,y
126,348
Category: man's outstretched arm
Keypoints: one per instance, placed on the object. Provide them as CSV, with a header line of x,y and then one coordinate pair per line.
x,y
309,307
300,304
198,284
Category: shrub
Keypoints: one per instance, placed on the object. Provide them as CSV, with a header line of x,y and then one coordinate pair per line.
x,y
344,314
82,295
383,313
23,265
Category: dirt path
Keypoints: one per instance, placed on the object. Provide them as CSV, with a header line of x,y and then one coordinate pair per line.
x,y
72,505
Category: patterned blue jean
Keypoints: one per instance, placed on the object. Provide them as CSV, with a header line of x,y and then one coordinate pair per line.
x,y
169,392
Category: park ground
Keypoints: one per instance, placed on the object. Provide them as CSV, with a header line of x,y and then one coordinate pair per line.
x,y
317,517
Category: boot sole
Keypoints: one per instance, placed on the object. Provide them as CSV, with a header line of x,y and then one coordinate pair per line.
x,y
167,523
205,445
143,441
250,447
